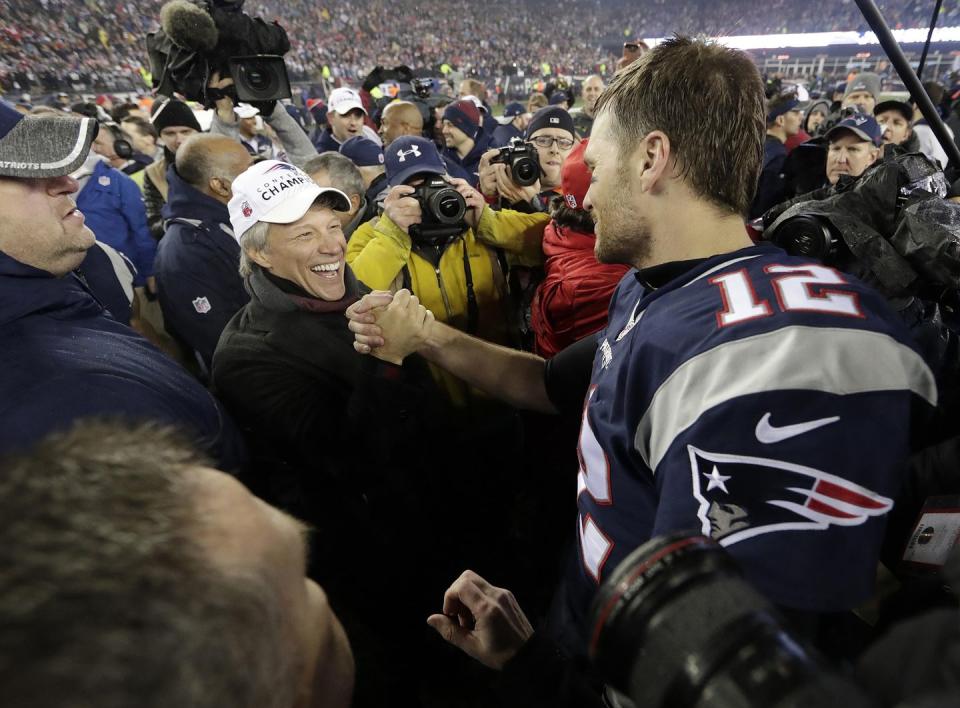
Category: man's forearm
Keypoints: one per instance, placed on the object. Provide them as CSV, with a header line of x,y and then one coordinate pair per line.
x,y
507,374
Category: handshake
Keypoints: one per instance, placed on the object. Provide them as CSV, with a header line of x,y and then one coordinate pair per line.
x,y
390,326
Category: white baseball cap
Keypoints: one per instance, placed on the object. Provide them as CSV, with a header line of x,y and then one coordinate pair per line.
x,y
344,100
275,192
245,110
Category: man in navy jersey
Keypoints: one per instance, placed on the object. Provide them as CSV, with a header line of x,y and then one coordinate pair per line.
x,y
757,398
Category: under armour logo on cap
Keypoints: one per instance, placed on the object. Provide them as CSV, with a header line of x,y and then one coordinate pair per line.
x,y
402,154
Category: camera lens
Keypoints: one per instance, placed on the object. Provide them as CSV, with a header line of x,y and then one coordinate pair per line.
x,y
447,206
525,171
258,79
675,624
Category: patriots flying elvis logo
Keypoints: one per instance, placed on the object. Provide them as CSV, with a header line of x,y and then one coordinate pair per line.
x,y
280,167
741,497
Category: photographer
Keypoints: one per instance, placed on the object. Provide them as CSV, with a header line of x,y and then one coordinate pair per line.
x,y
456,272
551,133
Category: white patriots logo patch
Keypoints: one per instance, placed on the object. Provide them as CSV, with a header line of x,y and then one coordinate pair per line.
x,y
741,497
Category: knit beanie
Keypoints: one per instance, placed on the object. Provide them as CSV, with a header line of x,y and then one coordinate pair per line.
x,y
464,115
174,113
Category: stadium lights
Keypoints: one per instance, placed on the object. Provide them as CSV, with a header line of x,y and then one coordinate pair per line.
x,y
829,39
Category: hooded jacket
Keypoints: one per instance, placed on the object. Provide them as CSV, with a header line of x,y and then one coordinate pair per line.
x,y
65,358
198,283
471,162
572,300
114,211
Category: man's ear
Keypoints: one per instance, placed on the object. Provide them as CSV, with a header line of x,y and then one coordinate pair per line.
x,y
651,161
220,187
354,203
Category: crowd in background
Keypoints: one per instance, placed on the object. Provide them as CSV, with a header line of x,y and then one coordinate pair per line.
x,y
52,44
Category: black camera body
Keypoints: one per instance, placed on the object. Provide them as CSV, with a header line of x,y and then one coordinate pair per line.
x,y
421,87
523,161
443,210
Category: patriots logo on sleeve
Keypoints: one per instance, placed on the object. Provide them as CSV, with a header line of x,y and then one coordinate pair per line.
x,y
741,497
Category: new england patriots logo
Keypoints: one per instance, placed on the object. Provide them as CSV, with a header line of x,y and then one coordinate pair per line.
x,y
281,167
742,497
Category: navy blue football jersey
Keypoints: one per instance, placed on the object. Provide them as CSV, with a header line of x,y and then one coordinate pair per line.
x,y
760,399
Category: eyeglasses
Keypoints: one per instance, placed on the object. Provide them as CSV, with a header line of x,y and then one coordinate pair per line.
x,y
545,141
632,46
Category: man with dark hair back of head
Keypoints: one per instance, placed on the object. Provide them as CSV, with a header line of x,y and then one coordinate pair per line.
x,y
708,405
142,136
784,119
155,581
66,357
331,169
197,259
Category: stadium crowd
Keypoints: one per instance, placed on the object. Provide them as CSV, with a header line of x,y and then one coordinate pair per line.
x,y
365,400
51,44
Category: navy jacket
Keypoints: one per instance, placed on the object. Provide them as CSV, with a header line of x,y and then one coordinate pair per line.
x,y
199,286
113,206
503,134
65,358
471,163
325,142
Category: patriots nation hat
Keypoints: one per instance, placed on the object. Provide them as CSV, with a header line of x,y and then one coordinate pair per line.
x,y
245,110
33,147
575,177
861,125
408,156
363,152
275,192
513,110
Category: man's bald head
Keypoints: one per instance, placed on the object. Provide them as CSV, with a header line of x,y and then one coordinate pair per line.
x,y
400,118
210,163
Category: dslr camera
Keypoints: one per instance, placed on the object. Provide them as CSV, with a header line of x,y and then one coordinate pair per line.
x,y
523,161
443,210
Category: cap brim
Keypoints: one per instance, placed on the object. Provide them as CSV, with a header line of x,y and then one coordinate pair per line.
x,y
345,108
46,147
408,172
295,206
856,131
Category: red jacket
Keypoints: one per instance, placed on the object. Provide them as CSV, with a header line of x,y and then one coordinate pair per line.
x,y
573,298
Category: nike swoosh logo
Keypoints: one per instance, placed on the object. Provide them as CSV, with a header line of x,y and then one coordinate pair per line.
x,y
769,434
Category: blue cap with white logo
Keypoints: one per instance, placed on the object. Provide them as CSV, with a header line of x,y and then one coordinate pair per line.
x,y
363,152
860,124
408,156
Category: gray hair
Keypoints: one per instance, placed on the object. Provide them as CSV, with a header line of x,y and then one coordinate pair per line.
x,y
253,239
108,593
342,173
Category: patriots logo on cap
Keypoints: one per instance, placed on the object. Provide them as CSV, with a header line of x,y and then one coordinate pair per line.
x,y
860,120
246,209
741,497
402,154
280,167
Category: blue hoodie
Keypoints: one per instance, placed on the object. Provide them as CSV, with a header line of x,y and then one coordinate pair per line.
x,y
65,358
471,163
112,205
198,282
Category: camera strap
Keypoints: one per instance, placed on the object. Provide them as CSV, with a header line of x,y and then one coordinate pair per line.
x,y
473,309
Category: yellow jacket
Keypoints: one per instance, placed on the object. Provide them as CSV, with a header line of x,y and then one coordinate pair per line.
x,y
379,250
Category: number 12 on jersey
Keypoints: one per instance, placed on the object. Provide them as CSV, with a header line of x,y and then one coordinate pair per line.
x,y
803,288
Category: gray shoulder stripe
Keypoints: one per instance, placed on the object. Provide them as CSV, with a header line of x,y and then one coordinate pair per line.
x,y
824,359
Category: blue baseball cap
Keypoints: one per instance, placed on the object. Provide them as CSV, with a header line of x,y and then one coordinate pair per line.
x,y
861,125
558,97
513,110
408,156
363,152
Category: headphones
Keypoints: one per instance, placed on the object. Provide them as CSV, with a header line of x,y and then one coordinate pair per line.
x,y
121,146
